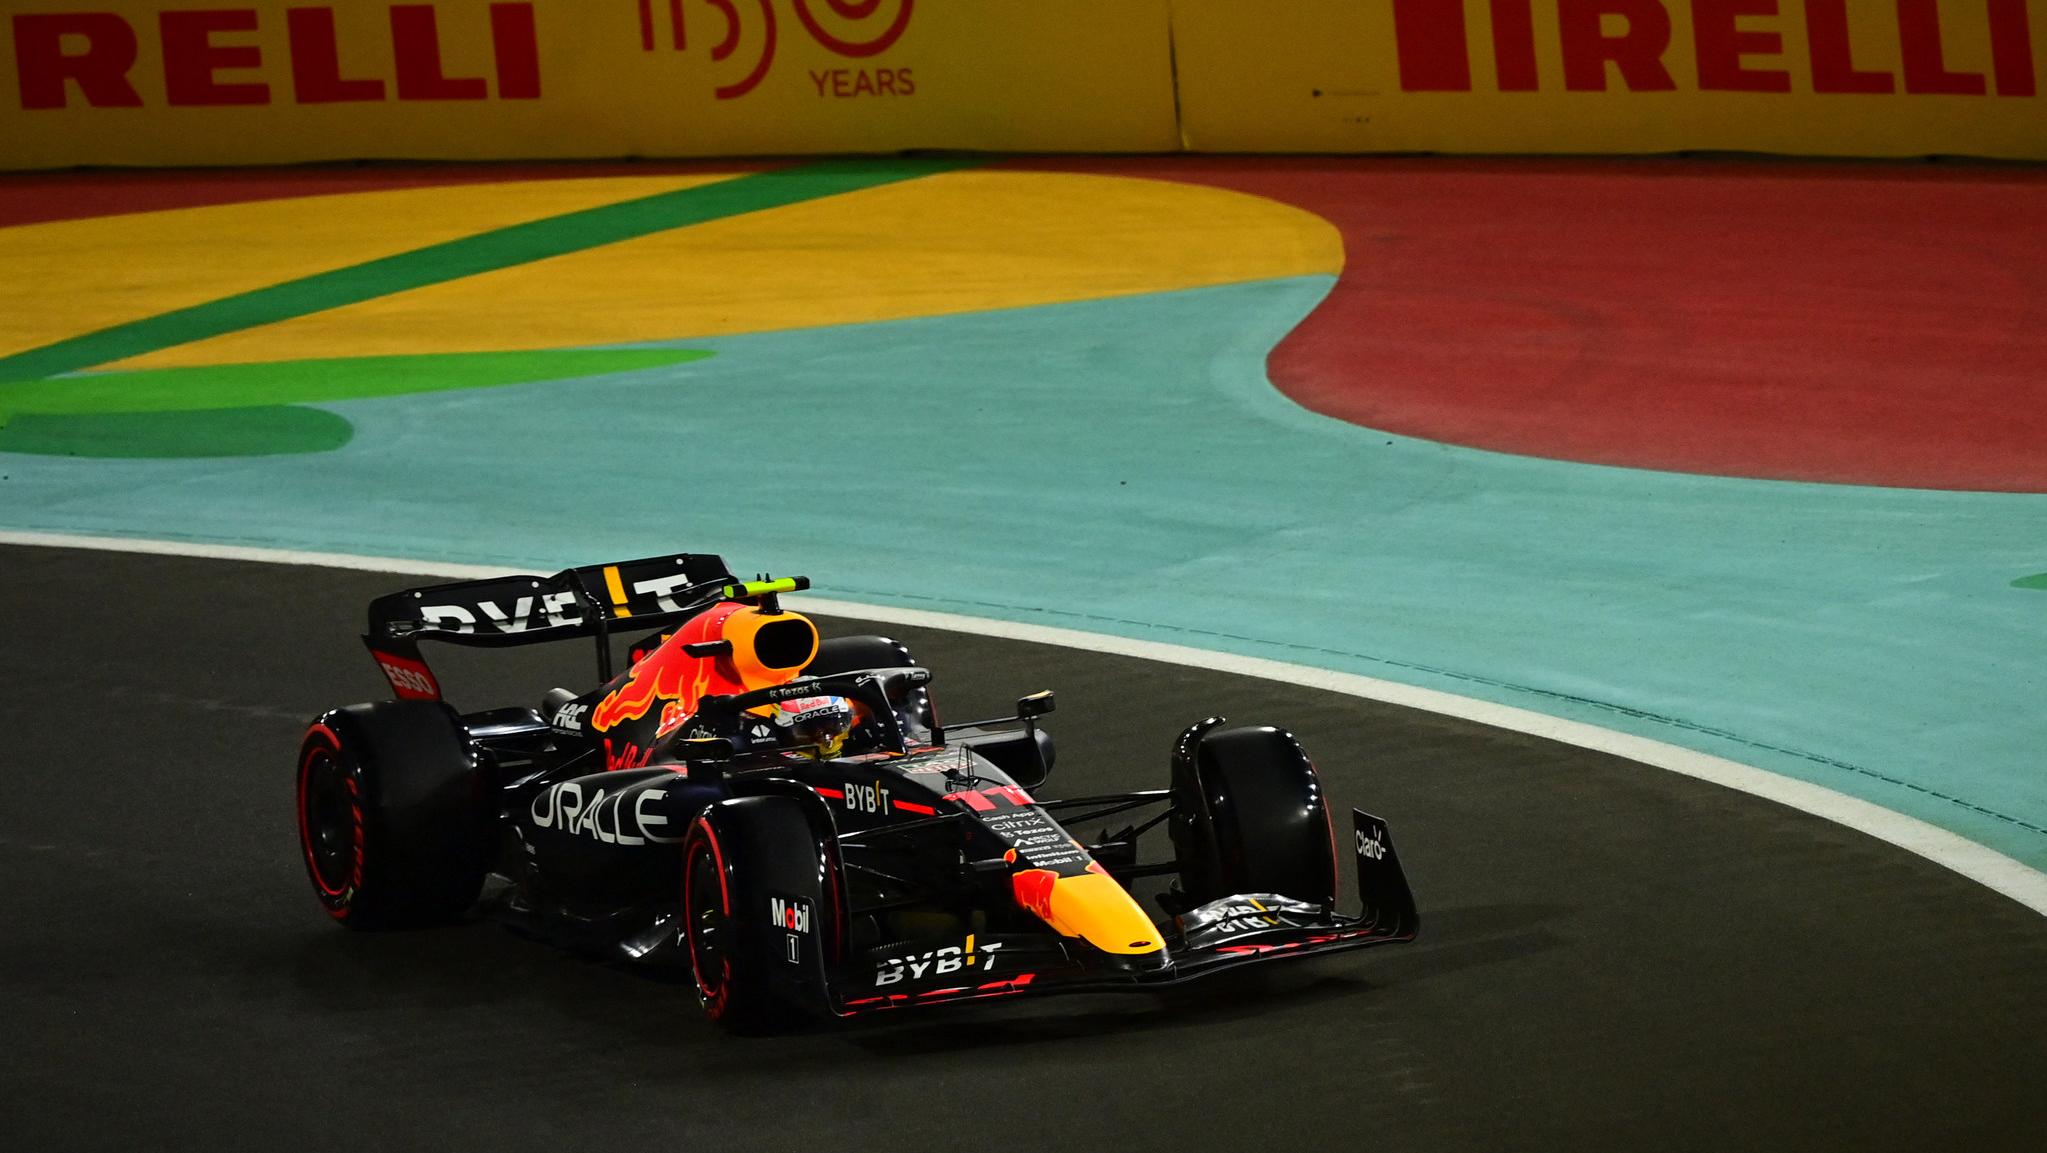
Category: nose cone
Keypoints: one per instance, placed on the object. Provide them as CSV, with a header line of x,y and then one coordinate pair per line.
x,y
1092,907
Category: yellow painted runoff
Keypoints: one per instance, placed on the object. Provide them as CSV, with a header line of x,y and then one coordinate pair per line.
x,y
72,277
957,242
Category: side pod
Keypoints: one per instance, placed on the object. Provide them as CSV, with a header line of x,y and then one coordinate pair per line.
x,y
1389,903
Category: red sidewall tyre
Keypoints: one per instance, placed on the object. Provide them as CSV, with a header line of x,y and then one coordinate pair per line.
x,y
703,868
335,867
743,859
393,817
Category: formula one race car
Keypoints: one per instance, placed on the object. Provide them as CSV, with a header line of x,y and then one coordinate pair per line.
x,y
787,817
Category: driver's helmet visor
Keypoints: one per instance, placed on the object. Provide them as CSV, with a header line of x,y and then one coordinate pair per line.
x,y
815,722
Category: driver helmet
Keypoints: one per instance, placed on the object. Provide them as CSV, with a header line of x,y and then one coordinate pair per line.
x,y
815,724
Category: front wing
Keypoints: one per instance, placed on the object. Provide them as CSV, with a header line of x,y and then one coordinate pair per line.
x,y
1229,933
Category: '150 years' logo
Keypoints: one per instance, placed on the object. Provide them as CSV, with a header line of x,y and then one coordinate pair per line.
x,y
858,30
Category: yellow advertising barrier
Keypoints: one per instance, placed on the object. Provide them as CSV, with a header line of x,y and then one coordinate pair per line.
x,y
264,81
1816,77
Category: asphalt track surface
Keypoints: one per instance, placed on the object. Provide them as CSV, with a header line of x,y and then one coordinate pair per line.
x,y
1612,957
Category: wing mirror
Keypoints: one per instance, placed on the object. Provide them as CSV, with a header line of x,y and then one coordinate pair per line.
x,y
1026,756
1028,709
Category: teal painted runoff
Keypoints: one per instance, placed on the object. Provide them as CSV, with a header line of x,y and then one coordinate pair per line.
x,y
1124,466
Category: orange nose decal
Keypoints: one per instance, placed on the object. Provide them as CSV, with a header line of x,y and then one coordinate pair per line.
x,y
1091,906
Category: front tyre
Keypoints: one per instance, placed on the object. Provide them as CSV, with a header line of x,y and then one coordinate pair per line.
x,y
1249,816
393,824
763,916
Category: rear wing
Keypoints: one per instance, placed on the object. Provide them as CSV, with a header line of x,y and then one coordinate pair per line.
x,y
653,592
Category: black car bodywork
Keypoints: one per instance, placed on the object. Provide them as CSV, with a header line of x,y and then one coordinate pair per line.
x,y
658,817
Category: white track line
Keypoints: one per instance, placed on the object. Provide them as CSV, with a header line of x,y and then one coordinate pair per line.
x,y
1986,866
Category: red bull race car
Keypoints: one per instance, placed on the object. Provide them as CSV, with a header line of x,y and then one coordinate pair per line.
x,y
786,817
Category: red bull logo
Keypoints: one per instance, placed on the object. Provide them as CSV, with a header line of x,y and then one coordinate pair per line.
x,y
1033,891
668,674
631,756
760,649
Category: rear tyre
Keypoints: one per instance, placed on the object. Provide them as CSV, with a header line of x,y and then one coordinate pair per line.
x,y
1249,816
393,824
762,913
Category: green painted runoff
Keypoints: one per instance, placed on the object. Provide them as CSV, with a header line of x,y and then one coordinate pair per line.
x,y
470,256
246,409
